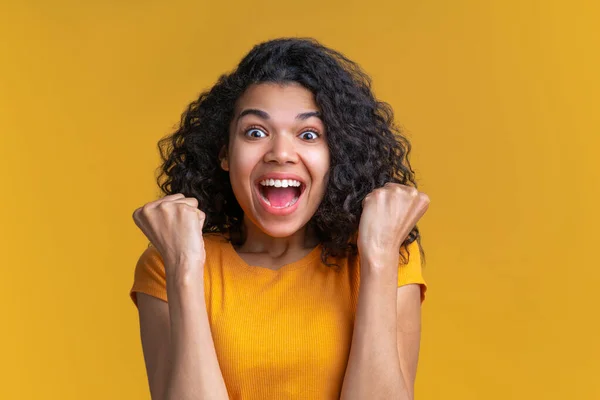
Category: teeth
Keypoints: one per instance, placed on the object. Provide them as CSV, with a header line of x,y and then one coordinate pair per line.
x,y
280,182
289,204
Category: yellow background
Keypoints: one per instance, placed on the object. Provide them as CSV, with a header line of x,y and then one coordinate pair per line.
x,y
499,98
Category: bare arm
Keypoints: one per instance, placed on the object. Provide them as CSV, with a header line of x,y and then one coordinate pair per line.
x,y
382,361
179,351
409,332
384,351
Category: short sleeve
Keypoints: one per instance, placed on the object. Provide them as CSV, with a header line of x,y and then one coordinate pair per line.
x,y
149,276
411,272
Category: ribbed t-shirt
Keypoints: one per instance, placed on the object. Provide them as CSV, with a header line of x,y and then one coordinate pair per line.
x,y
278,334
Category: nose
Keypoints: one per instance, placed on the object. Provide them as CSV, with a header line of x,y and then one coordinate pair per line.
x,y
281,150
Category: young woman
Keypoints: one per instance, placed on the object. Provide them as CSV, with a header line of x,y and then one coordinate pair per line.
x,y
284,259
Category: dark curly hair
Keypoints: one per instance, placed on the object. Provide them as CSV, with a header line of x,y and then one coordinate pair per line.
x,y
366,148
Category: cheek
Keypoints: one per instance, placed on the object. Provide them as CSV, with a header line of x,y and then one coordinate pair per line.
x,y
241,162
318,164
239,172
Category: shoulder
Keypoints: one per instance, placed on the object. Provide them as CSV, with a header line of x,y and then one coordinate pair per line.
x,y
150,259
214,239
214,243
410,257
410,254
149,276
410,267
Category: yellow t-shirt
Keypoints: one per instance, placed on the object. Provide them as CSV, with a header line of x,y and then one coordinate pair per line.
x,y
278,334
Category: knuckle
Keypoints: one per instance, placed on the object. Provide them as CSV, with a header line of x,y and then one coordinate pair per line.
x,y
164,206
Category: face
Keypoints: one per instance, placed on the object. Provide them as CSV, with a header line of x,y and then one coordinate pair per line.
x,y
278,159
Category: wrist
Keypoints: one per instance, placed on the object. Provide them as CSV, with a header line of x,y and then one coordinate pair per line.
x,y
377,256
185,272
384,266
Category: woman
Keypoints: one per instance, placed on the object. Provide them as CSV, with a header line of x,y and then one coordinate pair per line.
x,y
284,260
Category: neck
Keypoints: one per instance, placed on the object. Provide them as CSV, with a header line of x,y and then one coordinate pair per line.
x,y
257,241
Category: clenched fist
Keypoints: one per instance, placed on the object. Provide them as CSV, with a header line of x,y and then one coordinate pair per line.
x,y
389,214
173,224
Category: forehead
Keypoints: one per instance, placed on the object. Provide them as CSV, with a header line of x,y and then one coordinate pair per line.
x,y
277,99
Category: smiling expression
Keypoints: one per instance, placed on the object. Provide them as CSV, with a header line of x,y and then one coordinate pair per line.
x,y
277,158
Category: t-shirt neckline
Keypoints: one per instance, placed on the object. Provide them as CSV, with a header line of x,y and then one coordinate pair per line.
x,y
237,260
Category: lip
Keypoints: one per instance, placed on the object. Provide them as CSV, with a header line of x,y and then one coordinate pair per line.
x,y
279,211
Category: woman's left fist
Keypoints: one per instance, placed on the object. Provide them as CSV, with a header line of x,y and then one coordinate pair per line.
x,y
389,214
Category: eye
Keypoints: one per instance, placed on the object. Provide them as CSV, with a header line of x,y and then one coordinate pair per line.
x,y
309,135
255,133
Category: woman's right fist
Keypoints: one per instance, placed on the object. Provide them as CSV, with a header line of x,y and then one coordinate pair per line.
x,y
173,224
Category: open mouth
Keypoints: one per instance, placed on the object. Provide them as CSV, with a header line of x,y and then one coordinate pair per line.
x,y
280,193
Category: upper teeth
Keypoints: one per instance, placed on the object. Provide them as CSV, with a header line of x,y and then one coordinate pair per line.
x,y
280,182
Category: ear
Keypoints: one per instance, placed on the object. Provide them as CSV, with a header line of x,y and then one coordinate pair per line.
x,y
223,158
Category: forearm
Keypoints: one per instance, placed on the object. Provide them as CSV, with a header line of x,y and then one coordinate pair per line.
x,y
373,370
194,371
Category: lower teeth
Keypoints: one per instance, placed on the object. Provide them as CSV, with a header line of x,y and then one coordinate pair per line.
x,y
289,204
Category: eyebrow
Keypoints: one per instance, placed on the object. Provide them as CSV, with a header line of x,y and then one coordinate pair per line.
x,y
264,115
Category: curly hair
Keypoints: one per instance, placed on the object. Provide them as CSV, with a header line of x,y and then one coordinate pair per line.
x,y
366,148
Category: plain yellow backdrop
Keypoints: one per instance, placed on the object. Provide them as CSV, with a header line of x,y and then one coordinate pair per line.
x,y
499,98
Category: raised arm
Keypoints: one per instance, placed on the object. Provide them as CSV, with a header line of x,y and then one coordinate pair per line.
x,y
179,350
